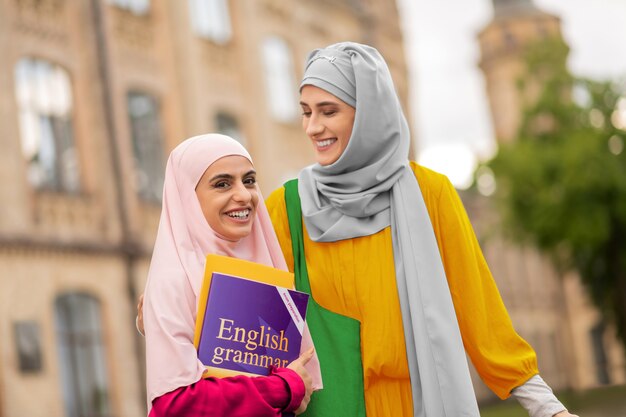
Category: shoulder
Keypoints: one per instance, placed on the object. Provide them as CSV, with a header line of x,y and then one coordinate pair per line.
x,y
276,199
432,183
441,198
277,209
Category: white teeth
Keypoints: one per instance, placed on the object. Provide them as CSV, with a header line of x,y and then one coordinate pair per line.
x,y
239,214
325,143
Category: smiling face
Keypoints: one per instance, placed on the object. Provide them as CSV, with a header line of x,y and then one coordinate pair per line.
x,y
229,197
327,121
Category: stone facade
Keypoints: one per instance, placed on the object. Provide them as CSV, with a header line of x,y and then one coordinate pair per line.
x,y
87,249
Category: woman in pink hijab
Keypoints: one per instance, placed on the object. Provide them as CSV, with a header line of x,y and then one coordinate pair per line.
x,y
211,204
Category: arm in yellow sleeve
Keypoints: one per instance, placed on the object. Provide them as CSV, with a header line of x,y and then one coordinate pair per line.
x,y
502,358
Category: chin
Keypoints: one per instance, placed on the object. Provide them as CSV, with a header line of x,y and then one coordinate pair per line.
x,y
326,160
240,234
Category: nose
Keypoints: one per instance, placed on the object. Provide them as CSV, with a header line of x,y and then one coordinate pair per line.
x,y
241,193
313,126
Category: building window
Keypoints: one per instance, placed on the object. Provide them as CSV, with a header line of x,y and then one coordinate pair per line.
x,y
28,343
279,79
210,19
228,125
44,98
138,7
510,42
147,138
596,334
81,355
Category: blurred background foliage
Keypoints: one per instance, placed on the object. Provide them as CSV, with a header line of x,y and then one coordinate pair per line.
x,y
561,184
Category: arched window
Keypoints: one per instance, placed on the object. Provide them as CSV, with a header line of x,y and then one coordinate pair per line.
x,y
279,79
227,124
138,7
44,98
147,138
81,355
210,19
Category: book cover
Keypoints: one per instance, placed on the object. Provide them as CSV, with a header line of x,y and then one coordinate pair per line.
x,y
246,324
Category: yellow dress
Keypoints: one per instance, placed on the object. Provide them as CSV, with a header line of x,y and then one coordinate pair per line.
x,y
356,278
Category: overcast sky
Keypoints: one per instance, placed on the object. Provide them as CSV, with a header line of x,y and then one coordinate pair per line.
x,y
450,114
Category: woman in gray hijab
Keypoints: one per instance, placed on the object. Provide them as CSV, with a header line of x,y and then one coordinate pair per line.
x,y
400,289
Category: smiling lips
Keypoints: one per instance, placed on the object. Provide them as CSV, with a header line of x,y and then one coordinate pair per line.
x,y
323,144
239,214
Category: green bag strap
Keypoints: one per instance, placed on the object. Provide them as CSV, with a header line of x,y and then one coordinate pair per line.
x,y
337,337
294,214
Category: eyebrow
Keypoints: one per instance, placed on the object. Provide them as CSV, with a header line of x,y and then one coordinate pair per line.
x,y
320,104
230,177
221,177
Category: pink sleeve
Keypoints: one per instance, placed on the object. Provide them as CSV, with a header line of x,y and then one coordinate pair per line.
x,y
295,387
269,396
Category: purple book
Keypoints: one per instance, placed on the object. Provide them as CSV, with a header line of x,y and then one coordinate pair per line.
x,y
249,326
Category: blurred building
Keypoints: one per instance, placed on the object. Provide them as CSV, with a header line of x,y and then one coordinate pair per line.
x,y
574,346
93,96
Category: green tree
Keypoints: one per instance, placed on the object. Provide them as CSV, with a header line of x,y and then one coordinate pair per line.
x,y
561,184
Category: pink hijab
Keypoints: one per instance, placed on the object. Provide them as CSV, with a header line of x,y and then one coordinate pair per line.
x,y
183,240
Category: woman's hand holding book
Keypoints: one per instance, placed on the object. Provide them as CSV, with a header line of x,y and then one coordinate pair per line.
x,y
298,367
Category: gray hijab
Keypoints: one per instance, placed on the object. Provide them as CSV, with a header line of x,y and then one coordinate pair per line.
x,y
370,187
